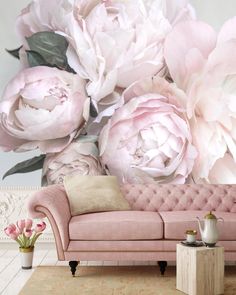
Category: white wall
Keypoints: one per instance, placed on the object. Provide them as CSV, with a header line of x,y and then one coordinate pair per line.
x,y
213,11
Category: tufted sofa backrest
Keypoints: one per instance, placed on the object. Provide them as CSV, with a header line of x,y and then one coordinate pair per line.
x,y
170,197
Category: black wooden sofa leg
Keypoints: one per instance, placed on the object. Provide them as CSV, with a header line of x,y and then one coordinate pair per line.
x,y
73,265
162,266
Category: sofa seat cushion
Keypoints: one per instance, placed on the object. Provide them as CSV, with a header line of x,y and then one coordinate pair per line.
x,y
116,225
177,222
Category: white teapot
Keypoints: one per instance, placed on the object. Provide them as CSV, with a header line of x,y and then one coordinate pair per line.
x,y
209,233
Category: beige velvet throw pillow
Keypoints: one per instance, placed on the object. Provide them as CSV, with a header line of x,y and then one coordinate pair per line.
x,y
94,194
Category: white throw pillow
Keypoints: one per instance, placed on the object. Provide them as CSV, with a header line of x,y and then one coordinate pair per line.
x,y
94,194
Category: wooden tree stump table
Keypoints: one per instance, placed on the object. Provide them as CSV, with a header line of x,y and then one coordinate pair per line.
x,y
200,270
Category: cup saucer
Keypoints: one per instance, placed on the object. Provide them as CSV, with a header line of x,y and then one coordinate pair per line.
x,y
194,244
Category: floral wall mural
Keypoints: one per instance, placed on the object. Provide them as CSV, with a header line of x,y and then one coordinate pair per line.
x,y
138,89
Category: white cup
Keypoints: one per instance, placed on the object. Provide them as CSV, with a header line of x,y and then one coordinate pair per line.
x,y
191,236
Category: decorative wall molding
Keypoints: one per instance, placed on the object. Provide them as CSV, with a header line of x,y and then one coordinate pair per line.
x,y
13,207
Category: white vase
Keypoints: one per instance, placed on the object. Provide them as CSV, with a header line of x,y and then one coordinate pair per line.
x,y
26,257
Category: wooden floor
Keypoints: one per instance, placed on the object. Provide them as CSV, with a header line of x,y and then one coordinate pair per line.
x,y
13,278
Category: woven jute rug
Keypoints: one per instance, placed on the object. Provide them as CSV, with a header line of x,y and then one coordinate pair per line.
x,y
109,280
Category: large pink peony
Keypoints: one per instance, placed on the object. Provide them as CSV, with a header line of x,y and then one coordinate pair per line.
x,y
42,108
148,139
126,43
204,67
80,157
44,15
113,43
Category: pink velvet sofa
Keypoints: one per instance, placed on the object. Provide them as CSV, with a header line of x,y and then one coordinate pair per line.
x,y
159,218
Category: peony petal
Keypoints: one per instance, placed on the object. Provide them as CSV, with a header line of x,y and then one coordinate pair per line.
x,y
224,171
221,62
227,31
167,150
187,41
135,73
47,146
179,11
84,7
210,146
74,62
230,143
161,133
186,165
8,142
103,137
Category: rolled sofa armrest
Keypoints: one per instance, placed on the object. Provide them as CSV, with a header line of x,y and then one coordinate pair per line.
x,y
52,202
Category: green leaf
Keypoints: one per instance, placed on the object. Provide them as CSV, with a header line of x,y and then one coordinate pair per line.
x,y
87,138
26,166
34,239
35,59
44,181
93,111
51,46
15,52
69,69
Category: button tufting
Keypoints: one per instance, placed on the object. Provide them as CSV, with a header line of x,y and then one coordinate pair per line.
x,y
181,197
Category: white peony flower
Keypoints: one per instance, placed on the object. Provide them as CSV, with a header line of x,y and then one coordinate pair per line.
x,y
148,138
203,65
80,157
112,43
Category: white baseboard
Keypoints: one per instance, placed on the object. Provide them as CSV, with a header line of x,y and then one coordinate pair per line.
x,y
13,207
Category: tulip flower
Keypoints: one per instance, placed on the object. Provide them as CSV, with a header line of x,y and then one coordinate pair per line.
x,y
12,232
28,223
7,231
40,227
10,229
23,233
21,225
14,235
28,233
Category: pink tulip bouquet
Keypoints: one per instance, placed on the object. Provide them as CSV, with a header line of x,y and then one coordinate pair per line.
x,y
140,89
24,233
